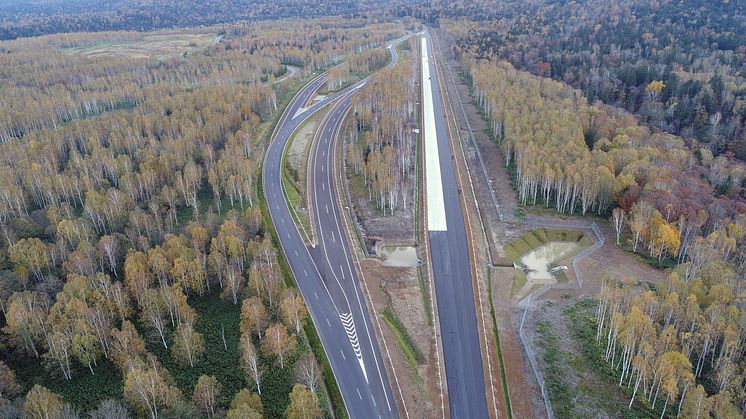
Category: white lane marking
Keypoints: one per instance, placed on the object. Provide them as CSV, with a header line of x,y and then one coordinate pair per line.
x,y
305,272
323,152
374,401
322,167
323,187
328,322
350,328
358,393
333,239
349,325
288,234
327,208
317,296
343,355
296,253
343,272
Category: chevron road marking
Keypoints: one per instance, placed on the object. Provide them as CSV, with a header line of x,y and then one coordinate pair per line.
x,y
349,325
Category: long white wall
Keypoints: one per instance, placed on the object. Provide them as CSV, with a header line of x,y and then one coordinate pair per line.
x,y
436,213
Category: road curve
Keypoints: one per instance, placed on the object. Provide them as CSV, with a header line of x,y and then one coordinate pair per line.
x,y
325,274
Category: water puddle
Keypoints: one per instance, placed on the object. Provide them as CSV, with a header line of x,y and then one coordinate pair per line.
x,y
398,255
538,259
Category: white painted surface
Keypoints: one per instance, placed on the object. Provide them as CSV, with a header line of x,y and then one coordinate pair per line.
x,y
436,212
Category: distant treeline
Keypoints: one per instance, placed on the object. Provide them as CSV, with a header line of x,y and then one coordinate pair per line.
x,y
42,17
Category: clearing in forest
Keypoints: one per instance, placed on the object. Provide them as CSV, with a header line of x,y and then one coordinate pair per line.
x,y
161,45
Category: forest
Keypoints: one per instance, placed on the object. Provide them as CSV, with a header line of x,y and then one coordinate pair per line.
x,y
25,18
678,65
677,346
683,340
380,143
137,269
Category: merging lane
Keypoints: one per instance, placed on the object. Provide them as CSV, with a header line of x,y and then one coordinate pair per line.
x,y
325,273
449,254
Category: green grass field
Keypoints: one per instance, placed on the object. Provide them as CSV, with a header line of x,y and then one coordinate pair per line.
x,y
404,340
535,238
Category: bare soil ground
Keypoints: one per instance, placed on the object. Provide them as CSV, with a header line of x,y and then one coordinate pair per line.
x,y
396,228
396,288
150,46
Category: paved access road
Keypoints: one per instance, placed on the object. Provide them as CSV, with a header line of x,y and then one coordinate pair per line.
x,y
326,273
449,254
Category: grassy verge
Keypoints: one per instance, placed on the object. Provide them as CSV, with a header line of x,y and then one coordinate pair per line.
x,y
294,199
404,340
496,333
561,277
560,392
519,280
417,218
336,402
425,294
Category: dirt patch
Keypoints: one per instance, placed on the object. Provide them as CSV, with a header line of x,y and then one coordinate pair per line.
x,y
150,46
397,288
290,72
611,259
395,229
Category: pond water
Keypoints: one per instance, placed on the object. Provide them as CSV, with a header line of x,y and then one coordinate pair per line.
x,y
538,259
398,255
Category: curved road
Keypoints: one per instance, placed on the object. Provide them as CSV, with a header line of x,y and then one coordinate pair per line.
x,y
325,274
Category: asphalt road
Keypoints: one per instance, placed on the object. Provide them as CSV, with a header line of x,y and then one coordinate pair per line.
x,y
453,281
325,274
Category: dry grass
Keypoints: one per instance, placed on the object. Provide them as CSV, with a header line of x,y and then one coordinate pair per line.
x,y
149,46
